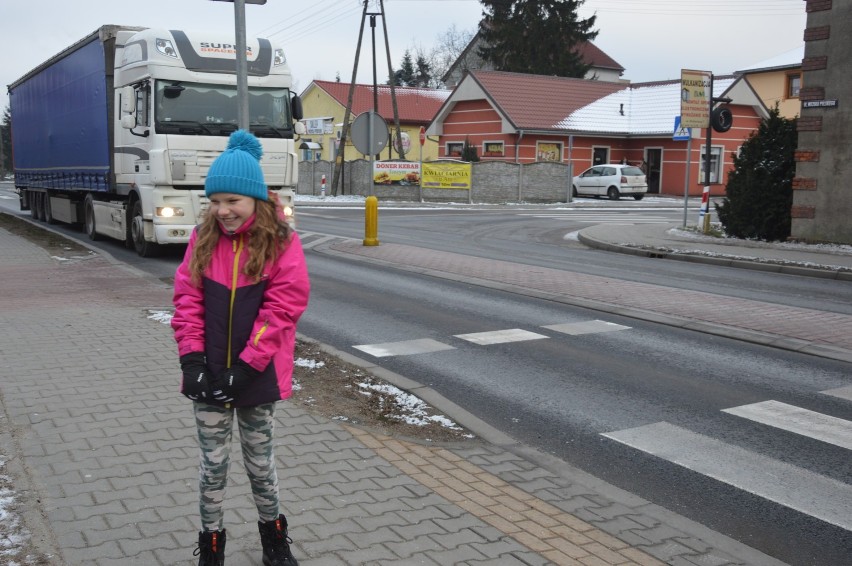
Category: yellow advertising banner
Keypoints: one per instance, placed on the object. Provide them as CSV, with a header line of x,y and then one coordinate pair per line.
x,y
447,175
695,98
396,173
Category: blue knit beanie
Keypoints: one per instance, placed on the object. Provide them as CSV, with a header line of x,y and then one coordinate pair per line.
x,y
237,170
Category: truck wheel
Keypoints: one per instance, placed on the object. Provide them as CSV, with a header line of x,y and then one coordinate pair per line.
x,y
48,213
39,206
612,193
32,202
89,215
137,232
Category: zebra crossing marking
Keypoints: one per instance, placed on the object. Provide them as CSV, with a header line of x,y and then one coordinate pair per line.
x,y
840,392
587,327
404,348
807,492
798,420
501,336
423,346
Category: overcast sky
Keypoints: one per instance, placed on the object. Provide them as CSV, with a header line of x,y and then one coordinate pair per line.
x,y
651,39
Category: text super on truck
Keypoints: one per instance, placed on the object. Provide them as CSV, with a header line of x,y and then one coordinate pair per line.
x,y
117,132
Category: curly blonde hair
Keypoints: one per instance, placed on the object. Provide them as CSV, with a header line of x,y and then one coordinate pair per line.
x,y
268,236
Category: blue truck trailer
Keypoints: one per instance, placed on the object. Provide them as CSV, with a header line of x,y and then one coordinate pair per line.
x,y
116,132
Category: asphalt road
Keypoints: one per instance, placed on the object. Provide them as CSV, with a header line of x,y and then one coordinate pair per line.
x,y
563,393
597,399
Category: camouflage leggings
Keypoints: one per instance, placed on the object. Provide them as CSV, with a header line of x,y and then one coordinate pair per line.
x,y
215,426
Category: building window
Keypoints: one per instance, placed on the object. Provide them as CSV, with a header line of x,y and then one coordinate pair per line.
x,y
454,149
794,83
715,164
548,151
493,149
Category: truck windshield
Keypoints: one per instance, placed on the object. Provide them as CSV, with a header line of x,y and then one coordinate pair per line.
x,y
206,109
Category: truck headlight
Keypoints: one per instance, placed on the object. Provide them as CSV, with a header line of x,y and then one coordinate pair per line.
x,y
169,211
165,47
279,58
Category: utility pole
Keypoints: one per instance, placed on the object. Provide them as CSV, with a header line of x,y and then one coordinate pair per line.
x,y
345,133
338,167
400,149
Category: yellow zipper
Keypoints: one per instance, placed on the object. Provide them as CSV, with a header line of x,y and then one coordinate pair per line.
x,y
238,250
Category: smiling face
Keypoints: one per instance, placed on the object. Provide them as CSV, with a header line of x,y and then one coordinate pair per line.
x,y
231,210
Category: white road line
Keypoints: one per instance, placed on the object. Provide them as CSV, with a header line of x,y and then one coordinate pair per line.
x,y
405,348
309,242
798,420
589,327
807,492
500,336
842,392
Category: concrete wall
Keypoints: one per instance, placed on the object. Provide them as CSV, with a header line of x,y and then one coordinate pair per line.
x,y
822,192
494,182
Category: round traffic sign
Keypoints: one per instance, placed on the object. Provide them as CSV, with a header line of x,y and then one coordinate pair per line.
x,y
422,135
369,133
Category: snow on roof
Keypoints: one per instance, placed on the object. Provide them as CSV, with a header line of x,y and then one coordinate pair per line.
x,y
639,109
413,104
792,58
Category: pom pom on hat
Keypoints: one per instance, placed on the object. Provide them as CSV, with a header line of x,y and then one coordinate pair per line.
x,y
238,170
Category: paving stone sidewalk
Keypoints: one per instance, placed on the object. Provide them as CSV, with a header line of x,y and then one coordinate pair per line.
x,y
104,451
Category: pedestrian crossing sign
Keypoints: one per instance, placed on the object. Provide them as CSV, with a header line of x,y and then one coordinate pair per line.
x,y
681,133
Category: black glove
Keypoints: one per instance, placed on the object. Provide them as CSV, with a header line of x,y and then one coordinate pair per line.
x,y
196,376
228,384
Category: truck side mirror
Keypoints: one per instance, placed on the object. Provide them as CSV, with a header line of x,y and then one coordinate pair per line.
x,y
128,121
296,108
300,128
128,100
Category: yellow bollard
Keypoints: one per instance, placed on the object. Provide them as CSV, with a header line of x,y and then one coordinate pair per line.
x,y
371,221
706,227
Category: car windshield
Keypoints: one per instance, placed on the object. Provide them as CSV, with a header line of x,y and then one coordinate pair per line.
x,y
631,171
208,109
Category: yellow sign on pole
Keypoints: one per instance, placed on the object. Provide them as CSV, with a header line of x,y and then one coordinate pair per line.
x,y
695,98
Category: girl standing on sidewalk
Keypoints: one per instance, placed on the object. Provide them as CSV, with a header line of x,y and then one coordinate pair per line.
x,y
239,292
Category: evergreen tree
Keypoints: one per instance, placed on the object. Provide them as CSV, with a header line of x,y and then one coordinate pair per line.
x,y
469,151
404,76
535,36
423,75
759,192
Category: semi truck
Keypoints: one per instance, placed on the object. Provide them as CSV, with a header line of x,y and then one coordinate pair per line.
x,y
116,132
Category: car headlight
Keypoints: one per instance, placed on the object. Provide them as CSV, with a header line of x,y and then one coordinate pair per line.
x,y
169,211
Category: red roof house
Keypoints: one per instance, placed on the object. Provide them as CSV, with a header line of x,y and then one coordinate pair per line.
x,y
529,118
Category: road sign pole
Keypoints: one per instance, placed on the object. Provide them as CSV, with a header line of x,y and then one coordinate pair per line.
x,y
422,138
370,167
686,179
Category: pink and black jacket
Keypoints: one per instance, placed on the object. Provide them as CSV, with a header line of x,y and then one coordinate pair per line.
x,y
231,316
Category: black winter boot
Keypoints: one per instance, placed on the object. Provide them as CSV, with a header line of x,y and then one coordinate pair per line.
x,y
211,548
276,543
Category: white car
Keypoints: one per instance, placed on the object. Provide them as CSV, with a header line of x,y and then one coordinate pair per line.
x,y
611,179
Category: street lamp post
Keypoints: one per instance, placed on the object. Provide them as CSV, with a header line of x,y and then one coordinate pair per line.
x,y
242,65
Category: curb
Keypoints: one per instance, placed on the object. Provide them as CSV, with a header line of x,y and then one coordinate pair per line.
x,y
768,266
